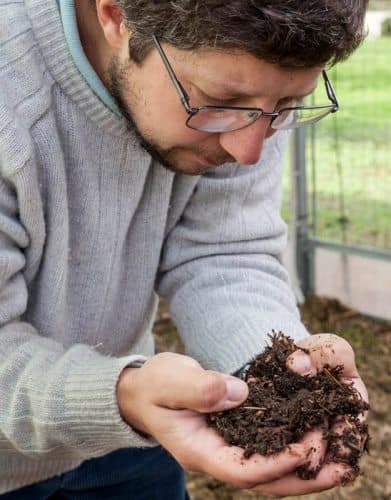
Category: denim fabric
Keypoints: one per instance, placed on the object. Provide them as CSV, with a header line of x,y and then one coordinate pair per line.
x,y
129,473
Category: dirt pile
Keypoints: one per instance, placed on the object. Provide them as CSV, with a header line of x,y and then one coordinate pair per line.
x,y
282,406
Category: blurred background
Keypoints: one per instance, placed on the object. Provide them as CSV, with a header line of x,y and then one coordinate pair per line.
x,y
337,185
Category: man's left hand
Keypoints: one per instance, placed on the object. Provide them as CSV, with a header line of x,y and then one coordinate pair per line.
x,y
321,350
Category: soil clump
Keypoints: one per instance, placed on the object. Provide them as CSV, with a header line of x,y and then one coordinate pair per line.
x,y
282,406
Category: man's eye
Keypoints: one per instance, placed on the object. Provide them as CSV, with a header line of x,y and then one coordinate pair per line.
x,y
252,114
202,99
289,103
214,101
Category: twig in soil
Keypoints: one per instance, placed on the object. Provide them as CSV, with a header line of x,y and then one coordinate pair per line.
x,y
331,377
325,409
253,408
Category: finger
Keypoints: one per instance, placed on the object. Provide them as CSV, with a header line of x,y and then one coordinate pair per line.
x,y
348,436
182,384
326,349
348,439
316,444
226,463
200,448
213,392
358,385
300,362
330,475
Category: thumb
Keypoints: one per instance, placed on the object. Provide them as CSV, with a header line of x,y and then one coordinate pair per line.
x,y
204,391
323,349
300,362
218,392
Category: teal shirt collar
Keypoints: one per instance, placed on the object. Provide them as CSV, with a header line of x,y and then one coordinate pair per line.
x,y
68,17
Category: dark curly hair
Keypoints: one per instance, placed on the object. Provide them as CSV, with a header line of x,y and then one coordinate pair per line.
x,y
291,33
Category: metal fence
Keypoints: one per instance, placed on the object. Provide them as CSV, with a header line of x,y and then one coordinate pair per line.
x,y
341,184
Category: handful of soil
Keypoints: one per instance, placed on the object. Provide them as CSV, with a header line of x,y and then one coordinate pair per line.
x,y
283,405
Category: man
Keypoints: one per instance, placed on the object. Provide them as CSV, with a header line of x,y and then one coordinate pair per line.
x,y
140,153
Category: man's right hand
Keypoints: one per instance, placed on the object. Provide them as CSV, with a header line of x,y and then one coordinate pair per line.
x,y
168,397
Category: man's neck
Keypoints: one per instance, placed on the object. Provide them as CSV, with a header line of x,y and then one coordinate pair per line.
x,y
92,37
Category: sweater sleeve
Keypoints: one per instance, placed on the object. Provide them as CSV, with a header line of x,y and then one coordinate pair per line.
x,y
58,405
55,402
221,269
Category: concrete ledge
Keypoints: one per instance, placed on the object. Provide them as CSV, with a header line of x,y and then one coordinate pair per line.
x,y
359,282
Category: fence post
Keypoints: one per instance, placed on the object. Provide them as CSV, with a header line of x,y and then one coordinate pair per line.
x,y
303,252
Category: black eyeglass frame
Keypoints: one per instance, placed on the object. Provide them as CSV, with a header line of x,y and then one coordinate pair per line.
x,y
192,111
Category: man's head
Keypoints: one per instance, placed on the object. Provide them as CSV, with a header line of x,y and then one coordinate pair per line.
x,y
290,33
242,53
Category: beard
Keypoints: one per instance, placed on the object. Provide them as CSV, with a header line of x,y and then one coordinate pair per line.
x,y
117,80
116,75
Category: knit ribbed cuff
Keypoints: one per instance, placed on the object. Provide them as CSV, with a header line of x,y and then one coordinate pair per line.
x,y
92,413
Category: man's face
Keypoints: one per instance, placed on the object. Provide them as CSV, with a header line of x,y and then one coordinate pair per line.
x,y
148,98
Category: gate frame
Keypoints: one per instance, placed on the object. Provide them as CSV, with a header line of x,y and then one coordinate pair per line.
x,y
304,244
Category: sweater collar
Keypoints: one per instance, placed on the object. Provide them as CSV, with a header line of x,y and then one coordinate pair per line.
x,y
69,23
46,22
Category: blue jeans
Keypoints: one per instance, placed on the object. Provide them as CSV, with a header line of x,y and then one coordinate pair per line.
x,y
129,473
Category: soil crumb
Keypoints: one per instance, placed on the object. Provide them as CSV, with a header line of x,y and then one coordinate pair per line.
x,y
282,406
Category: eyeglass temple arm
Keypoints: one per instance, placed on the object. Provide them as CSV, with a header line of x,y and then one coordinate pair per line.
x,y
185,98
181,91
330,91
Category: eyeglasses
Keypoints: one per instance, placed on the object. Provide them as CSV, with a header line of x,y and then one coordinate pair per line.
x,y
218,119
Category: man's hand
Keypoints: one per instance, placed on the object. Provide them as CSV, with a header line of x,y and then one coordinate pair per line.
x,y
168,397
323,349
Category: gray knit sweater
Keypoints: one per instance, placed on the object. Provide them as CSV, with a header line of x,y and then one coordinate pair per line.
x,y
91,229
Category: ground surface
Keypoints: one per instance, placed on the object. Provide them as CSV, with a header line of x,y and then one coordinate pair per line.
x,y
372,342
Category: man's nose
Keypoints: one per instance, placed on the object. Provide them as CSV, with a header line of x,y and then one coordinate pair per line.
x,y
246,145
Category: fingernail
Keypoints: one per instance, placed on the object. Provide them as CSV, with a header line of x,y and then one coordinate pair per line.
x,y
300,362
237,390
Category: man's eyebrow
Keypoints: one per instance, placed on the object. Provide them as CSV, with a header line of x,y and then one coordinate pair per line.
x,y
300,96
227,92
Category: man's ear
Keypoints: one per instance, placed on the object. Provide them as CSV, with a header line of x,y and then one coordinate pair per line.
x,y
111,20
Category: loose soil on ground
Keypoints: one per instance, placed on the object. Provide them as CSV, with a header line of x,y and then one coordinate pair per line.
x,y
371,340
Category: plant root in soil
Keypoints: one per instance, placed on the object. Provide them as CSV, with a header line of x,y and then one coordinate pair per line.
x,y
282,406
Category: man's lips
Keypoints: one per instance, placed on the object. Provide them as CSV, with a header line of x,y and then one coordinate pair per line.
x,y
212,162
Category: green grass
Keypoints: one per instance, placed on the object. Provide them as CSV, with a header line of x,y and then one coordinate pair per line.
x,y
349,163
379,4
363,88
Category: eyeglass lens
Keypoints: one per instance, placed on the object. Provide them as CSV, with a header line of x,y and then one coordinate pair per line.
x,y
228,120
222,119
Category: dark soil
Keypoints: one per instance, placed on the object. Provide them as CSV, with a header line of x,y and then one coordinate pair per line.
x,y
283,406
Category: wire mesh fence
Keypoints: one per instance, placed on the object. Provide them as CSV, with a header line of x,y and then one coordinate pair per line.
x,y
348,154
337,186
